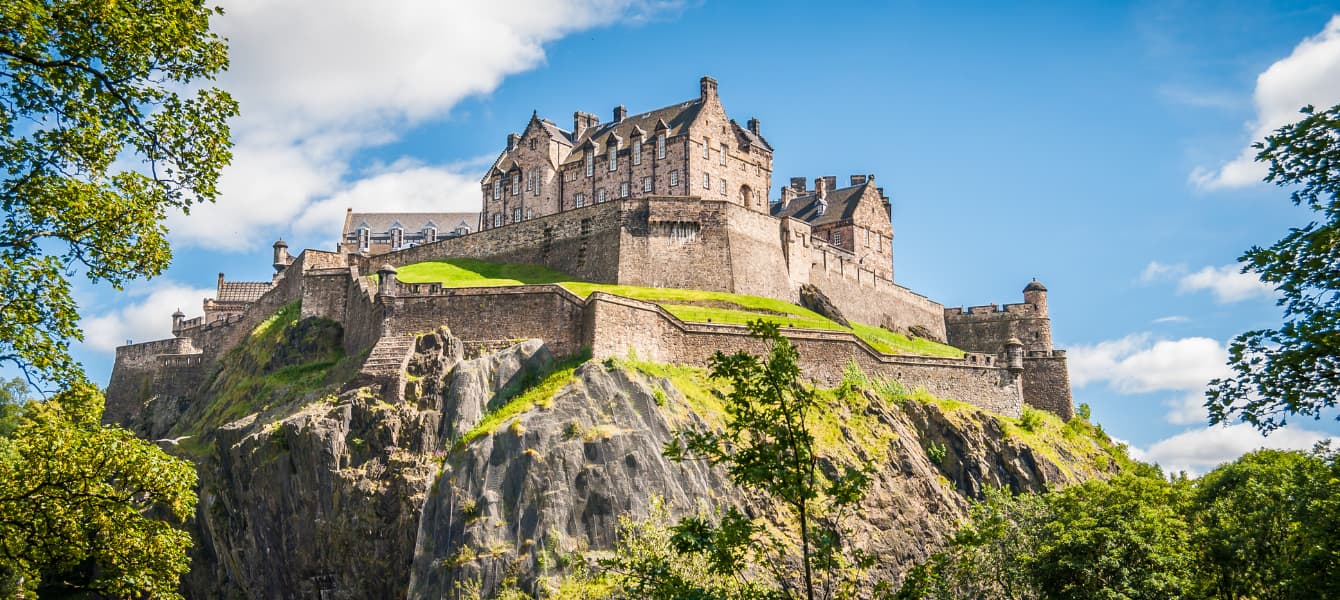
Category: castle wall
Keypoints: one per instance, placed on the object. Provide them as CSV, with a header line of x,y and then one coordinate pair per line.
x,y
133,374
986,328
363,314
618,326
757,261
742,170
1046,381
864,297
675,242
488,315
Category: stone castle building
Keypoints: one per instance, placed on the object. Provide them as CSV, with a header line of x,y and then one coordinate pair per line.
x,y
675,197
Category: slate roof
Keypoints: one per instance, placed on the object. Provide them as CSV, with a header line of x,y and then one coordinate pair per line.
x,y
412,222
751,138
841,205
676,117
241,291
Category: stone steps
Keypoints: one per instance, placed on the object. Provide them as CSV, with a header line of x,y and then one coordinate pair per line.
x,y
387,363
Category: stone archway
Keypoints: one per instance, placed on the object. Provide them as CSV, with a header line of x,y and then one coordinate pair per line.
x,y
746,196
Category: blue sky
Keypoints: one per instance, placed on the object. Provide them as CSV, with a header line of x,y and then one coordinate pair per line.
x,y
1098,148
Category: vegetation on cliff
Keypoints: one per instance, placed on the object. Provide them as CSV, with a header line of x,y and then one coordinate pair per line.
x,y
688,305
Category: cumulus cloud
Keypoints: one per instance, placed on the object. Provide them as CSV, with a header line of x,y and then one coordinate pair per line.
x,y
1187,409
1138,363
1228,283
1309,75
1199,450
320,80
402,188
150,318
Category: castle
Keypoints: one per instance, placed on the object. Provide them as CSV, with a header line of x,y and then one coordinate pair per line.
x,y
674,197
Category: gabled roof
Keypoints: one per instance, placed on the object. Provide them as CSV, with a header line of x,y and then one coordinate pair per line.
x,y
411,222
841,206
675,117
241,291
750,137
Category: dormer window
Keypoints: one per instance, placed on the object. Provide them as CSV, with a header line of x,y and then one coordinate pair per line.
x,y
614,156
590,163
397,237
637,152
430,234
660,146
364,237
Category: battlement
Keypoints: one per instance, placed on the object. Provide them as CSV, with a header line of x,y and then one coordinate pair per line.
x,y
989,311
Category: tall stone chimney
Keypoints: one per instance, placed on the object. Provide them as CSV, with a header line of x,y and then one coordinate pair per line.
x,y
798,184
821,187
753,126
788,193
857,180
620,113
512,140
707,88
582,121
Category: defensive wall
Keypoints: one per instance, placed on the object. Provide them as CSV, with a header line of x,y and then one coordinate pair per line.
x,y
689,243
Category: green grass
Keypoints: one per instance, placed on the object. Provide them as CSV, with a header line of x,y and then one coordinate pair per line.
x,y
537,395
695,306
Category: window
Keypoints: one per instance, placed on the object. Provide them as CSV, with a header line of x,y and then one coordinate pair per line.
x,y
623,190
646,184
516,215
430,234
867,238
590,164
530,180
723,185
637,152
614,156
723,154
660,146
532,143
581,200
707,181
674,178
497,189
530,214
497,220
364,237
516,183
707,152
837,238
600,195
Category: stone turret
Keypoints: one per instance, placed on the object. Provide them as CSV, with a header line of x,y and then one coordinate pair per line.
x,y
1036,294
281,257
177,318
1014,354
387,283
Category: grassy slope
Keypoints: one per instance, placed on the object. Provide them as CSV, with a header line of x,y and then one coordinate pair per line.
x,y
688,305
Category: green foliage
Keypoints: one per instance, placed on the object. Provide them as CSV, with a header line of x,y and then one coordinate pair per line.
x,y
1295,369
99,141
77,501
688,305
539,393
1084,412
936,452
1030,419
13,395
1264,526
767,445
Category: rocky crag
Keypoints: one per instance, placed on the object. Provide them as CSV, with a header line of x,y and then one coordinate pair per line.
x,y
318,482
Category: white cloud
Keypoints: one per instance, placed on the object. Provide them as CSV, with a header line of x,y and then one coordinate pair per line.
x,y
1228,283
1172,319
148,319
1138,363
1199,450
404,188
1310,75
320,80
1187,409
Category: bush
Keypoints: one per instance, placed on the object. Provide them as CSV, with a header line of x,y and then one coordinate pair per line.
x,y
1030,419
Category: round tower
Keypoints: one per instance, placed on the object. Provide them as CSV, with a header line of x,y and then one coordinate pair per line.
x,y
1036,294
177,318
281,255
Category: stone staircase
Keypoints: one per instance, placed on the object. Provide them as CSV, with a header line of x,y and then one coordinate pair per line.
x,y
386,364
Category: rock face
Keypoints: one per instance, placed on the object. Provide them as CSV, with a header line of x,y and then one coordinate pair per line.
x,y
308,493
813,298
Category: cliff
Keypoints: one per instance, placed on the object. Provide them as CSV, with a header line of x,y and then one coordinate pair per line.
x,y
313,483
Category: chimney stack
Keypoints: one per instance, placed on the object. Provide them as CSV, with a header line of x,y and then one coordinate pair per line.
x,y
821,187
798,184
220,281
857,180
830,182
788,193
707,88
582,121
753,126
620,113
512,140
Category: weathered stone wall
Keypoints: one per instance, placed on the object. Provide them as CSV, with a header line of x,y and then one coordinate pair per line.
x,y
986,328
487,315
1046,383
747,173
865,297
363,314
133,374
618,326
325,293
675,242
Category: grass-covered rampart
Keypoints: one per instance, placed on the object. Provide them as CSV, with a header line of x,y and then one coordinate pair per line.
x,y
698,306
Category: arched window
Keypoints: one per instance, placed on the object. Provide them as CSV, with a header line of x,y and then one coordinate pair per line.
x,y
746,196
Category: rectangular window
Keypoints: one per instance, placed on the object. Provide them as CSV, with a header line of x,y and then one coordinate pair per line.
x,y
497,189
723,154
535,174
530,180
516,183
660,146
646,184
623,190
497,220
674,178
867,238
837,238
707,145
600,195
723,185
581,200
614,157
637,152
516,215
707,181
590,164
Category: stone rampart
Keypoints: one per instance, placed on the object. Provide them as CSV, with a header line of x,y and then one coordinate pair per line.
x,y
865,297
1046,382
987,328
483,315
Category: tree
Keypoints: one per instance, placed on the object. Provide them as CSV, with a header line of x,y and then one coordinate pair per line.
x,y
97,146
13,395
1295,369
767,446
77,505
